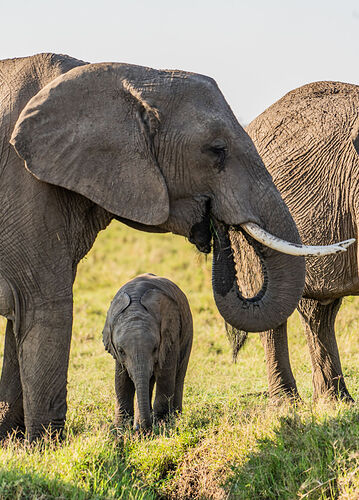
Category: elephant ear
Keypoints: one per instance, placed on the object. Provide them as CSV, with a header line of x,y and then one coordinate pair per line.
x,y
91,131
166,311
120,302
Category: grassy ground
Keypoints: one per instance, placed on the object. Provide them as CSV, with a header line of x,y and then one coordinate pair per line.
x,y
229,443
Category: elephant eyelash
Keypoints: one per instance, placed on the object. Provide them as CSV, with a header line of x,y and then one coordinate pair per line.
x,y
221,155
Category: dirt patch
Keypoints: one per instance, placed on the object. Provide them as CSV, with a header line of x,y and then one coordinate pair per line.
x,y
199,478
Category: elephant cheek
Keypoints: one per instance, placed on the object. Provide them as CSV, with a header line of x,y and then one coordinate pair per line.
x,y
188,218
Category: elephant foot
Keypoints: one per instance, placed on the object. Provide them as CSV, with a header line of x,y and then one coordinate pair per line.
x,y
334,389
123,420
163,419
284,393
142,431
51,432
11,420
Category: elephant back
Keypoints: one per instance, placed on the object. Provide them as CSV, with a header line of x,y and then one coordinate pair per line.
x,y
306,123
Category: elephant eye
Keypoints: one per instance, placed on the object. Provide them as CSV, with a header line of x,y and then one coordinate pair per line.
x,y
121,351
219,152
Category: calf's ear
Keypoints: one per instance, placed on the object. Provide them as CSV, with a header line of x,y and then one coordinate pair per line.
x,y
91,131
120,302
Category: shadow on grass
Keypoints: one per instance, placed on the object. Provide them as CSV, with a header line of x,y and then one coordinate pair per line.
x,y
15,484
19,485
304,459
49,470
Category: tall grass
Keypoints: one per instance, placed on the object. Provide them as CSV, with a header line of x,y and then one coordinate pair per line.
x,y
230,442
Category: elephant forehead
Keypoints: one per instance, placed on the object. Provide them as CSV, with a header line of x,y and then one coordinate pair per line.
x,y
135,316
136,330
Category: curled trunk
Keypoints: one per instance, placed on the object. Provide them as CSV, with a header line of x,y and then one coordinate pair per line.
x,y
281,284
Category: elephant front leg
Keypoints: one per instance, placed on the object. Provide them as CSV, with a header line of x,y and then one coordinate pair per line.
x,y
11,407
281,382
181,373
165,392
319,322
43,358
125,392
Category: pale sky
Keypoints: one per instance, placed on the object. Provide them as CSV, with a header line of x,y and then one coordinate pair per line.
x,y
256,50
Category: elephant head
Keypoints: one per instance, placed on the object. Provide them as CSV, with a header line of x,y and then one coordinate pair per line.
x,y
162,151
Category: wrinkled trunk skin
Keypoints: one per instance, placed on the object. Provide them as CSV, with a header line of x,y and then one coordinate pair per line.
x,y
143,419
282,278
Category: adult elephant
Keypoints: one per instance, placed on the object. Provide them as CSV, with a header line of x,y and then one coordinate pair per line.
x,y
309,142
158,150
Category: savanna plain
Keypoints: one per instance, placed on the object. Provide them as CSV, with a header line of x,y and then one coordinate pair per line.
x,y
230,441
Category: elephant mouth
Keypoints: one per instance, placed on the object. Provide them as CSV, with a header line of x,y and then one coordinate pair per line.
x,y
247,255
201,233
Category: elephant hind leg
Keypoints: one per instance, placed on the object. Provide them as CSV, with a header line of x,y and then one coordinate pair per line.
x,y
319,323
11,399
281,382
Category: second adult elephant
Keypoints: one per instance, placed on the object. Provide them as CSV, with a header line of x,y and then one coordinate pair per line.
x,y
309,141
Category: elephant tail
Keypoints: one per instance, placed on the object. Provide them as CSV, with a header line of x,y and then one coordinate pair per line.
x,y
237,339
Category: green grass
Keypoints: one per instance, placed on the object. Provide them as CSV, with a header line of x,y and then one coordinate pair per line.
x,y
230,442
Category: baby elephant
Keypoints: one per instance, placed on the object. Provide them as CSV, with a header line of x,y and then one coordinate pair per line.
x,y
149,332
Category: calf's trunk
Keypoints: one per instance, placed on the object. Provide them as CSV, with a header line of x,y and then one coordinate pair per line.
x,y
143,410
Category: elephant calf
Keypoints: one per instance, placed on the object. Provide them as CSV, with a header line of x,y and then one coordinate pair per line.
x,y
149,332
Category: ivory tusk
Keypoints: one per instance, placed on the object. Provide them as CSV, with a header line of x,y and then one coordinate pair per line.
x,y
283,246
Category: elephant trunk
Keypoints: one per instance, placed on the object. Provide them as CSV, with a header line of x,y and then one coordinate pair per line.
x,y
252,197
143,414
238,258
282,284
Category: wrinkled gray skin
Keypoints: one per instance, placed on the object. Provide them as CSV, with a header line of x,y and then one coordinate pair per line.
x,y
149,332
309,141
158,150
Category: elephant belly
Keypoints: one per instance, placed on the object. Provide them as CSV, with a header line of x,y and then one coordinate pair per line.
x,y
324,218
332,277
